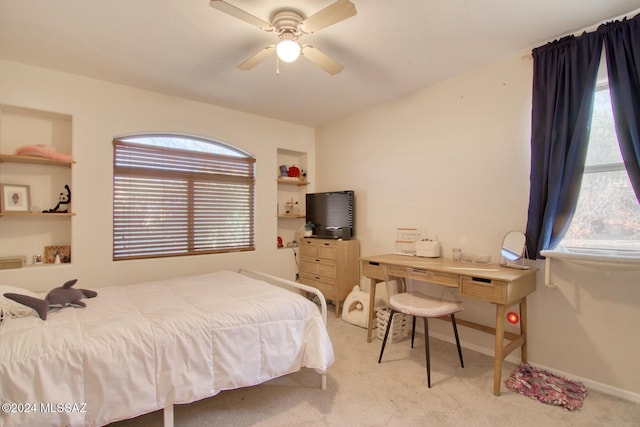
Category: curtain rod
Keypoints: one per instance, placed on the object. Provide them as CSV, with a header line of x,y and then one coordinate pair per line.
x,y
595,26
592,27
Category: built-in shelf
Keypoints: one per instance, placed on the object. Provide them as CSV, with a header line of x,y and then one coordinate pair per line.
x,y
291,196
32,160
45,265
292,182
29,232
12,158
38,214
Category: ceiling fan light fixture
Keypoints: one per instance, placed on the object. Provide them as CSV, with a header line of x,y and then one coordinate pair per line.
x,y
289,25
288,50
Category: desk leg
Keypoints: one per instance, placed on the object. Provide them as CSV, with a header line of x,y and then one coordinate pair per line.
x,y
523,329
498,354
372,304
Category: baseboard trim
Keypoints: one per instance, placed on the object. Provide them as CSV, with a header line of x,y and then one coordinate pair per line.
x,y
513,358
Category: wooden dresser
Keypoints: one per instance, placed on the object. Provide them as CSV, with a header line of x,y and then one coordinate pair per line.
x,y
330,265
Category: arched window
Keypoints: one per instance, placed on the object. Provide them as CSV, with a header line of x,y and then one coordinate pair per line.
x,y
177,195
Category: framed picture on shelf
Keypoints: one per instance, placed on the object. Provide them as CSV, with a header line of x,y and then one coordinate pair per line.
x,y
63,253
14,198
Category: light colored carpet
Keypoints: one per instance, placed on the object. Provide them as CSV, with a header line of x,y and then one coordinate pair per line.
x,y
361,392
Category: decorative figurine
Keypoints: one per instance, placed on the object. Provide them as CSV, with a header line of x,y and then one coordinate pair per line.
x,y
293,172
62,200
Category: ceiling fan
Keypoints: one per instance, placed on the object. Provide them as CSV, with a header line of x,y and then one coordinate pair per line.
x,y
290,25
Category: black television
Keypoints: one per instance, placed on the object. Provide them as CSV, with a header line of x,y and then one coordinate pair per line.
x,y
331,214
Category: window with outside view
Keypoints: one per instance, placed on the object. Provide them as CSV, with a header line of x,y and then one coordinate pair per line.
x,y
607,215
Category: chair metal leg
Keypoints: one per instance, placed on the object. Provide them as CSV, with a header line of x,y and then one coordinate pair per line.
x,y
413,330
455,331
426,345
386,334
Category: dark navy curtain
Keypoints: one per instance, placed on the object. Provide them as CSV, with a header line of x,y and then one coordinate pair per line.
x,y
622,47
564,79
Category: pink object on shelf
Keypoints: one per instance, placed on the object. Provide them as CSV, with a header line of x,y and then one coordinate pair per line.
x,y
45,151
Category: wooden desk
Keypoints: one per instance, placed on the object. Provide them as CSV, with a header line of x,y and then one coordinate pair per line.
x,y
503,287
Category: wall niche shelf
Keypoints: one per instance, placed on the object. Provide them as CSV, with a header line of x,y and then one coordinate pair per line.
x,y
38,214
290,212
27,233
12,158
32,160
296,182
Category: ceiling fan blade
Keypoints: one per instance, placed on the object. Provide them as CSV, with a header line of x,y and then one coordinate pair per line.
x,y
320,59
257,57
230,9
332,14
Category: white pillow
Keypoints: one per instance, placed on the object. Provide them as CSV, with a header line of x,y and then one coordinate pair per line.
x,y
14,309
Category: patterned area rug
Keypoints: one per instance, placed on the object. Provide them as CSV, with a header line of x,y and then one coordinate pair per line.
x,y
547,387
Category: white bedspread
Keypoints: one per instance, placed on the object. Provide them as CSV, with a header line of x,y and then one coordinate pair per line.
x,y
136,349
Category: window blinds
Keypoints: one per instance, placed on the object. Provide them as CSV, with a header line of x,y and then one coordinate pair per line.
x,y
169,202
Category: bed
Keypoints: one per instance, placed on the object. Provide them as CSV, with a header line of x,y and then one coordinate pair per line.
x,y
140,348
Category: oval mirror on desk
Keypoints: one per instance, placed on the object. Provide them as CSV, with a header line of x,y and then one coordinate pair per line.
x,y
512,250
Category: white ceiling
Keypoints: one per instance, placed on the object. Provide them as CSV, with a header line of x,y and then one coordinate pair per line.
x,y
186,48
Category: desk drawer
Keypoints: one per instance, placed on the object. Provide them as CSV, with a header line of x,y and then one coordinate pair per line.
x,y
438,277
372,270
484,289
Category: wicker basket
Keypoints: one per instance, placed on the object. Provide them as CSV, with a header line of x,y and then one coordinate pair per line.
x,y
400,327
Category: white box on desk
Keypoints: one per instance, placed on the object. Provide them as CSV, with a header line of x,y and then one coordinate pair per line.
x,y
428,248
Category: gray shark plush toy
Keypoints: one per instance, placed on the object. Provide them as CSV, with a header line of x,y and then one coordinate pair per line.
x,y
64,296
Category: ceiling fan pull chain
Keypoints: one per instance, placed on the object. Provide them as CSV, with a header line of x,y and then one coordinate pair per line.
x,y
277,66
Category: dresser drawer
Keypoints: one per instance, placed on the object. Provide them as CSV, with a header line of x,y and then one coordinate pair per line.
x,y
318,266
484,289
324,285
331,266
438,277
318,249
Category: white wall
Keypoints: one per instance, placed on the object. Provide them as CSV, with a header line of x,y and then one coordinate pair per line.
x,y
453,160
101,111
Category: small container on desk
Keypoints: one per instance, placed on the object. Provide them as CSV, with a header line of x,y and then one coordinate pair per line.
x,y
406,239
